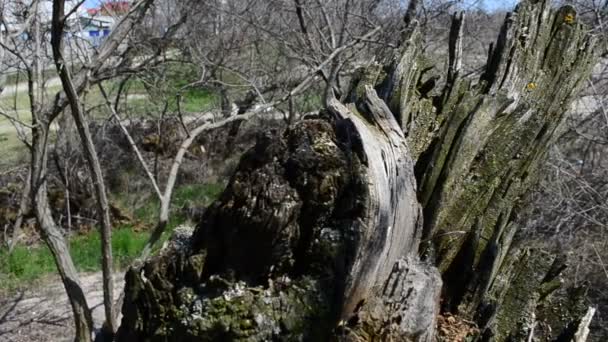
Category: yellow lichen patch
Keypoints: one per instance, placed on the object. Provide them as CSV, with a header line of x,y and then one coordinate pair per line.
x,y
569,18
531,86
324,144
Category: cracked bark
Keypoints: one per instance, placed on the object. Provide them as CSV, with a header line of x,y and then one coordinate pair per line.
x,y
319,232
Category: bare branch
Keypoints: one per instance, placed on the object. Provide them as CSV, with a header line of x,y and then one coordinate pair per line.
x,y
131,142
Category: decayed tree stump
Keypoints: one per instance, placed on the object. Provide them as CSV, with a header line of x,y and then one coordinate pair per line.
x,y
319,233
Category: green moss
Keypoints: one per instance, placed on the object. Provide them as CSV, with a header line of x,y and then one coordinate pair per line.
x,y
423,129
238,313
517,293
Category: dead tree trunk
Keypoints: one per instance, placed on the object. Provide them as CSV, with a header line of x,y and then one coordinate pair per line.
x,y
319,233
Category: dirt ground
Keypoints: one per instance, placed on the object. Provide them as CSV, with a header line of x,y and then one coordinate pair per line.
x,y
43,314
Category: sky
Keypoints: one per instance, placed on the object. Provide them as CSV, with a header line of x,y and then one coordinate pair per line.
x,y
490,5
499,4
487,4
91,3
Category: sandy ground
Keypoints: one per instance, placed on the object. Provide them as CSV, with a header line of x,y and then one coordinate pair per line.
x,y
43,314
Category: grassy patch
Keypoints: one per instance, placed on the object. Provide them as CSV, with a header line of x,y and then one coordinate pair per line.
x,y
126,246
148,95
20,101
193,100
27,264
21,76
198,100
197,194
12,150
192,195
24,265
149,98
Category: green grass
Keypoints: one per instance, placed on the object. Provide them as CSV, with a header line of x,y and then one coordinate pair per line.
x,y
197,194
12,150
20,101
26,265
163,84
192,195
126,246
198,100
147,96
194,100
21,76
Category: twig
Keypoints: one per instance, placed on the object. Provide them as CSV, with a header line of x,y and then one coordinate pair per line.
x,y
131,142
15,120
531,335
600,259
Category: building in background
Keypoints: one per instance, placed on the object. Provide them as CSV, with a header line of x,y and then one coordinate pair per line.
x,y
94,28
110,8
96,23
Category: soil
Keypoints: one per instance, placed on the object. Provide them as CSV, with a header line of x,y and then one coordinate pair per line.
x,y
43,313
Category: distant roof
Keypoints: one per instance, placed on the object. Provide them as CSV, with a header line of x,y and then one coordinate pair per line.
x,y
112,7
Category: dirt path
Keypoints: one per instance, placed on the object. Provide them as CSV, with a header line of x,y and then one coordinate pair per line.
x,y
44,314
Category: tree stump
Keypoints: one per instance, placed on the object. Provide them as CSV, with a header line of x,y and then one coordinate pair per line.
x,y
363,223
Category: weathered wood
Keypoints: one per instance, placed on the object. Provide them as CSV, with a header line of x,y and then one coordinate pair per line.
x,y
455,47
583,329
330,210
494,136
481,151
324,219
389,227
274,223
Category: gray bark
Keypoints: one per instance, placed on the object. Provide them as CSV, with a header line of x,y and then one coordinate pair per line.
x,y
53,236
103,208
319,232
43,114
38,193
389,226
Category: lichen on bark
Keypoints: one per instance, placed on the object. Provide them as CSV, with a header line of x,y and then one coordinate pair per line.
x,y
488,139
261,263
319,233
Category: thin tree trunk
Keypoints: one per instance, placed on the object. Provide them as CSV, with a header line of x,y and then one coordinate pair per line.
x,y
92,162
38,193
24,205
53,236
43,114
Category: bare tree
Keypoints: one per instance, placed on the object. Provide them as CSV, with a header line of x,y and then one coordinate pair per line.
x,y
30,54
57,33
